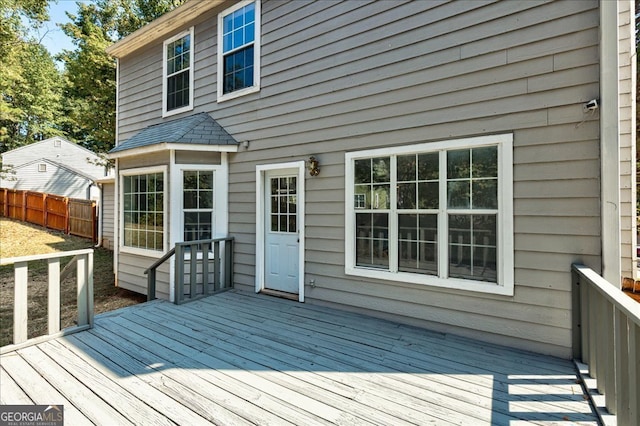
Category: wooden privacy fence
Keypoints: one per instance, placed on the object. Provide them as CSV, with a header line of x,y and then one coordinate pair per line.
x,y
69,215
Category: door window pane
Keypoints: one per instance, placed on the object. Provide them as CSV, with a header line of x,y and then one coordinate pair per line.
x,y
283,204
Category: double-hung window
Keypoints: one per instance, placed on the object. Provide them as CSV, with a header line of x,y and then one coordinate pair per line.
x,y
178,74
143,210
239,50
197,204
436,214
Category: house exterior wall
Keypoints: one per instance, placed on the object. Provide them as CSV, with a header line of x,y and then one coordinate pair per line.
x,y
627,117
54,180
59,150
108,200
338,77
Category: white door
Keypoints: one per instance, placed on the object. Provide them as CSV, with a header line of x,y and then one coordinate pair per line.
x,y
281,240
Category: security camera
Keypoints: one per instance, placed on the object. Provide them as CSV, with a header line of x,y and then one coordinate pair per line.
x,y
592,105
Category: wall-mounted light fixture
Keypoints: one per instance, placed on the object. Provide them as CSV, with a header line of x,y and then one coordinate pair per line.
x,y
314,166
245,144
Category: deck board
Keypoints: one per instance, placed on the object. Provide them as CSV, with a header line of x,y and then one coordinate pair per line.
x,y
237,358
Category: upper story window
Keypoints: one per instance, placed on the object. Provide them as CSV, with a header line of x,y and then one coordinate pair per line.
x,y
437,214
42,167
239,50
178,74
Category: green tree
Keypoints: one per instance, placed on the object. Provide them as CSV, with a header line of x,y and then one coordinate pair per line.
x,y
29,80
90,86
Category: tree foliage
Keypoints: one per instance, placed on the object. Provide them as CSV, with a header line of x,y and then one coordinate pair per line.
x,y
29,81
90,89
37,100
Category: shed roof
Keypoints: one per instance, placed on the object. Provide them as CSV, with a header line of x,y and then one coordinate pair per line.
x,y
197,129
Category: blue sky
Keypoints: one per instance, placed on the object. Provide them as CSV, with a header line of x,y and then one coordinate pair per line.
x,y
52,36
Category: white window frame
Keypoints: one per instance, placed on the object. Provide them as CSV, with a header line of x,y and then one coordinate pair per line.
x,y
189,107
42,167
220,199
256,54
165,215
504,241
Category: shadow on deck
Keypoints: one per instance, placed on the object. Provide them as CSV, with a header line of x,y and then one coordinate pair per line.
x,y
238,358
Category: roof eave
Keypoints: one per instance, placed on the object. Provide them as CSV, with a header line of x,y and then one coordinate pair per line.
x,y
171,146
163,26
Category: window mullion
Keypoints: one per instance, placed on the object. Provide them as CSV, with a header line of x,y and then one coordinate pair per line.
x,y
393,217
443,219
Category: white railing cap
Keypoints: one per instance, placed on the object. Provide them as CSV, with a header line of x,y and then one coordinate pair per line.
x,y
12,260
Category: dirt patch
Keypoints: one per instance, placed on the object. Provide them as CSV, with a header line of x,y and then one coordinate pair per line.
x,y
22,239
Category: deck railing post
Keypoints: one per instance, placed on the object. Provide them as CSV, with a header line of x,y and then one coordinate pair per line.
x,y
151,284
610,355
216,266
204,248
622,373
54,295
179,268
228,264
634,373
193,270
576,317
81,278
21,276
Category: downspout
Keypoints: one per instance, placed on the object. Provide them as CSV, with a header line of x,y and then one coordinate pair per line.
x,y
116,185
609,144
100,205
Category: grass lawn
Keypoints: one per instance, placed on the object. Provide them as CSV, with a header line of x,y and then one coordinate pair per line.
x,y
23,239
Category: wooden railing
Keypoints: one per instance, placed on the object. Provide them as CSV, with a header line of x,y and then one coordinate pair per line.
x,y
83,260
208,260
606,337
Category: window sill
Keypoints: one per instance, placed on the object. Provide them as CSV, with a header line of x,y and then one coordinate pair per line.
x,y
238,93
176,111
431,281
141,252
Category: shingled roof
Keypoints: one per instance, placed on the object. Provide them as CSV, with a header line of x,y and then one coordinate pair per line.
x,y
199,129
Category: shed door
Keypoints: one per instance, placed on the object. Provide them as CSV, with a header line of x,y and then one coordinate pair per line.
x,y
281,232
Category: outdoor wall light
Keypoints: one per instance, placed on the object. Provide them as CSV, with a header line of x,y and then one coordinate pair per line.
x,y
314,166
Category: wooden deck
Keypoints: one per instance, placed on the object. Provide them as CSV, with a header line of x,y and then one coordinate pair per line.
x,y
237,358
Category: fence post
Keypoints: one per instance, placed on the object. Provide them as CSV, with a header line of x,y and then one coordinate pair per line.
x,y
24,206
45,210
66,216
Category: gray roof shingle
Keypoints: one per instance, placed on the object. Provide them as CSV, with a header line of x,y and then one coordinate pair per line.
x,y
198,129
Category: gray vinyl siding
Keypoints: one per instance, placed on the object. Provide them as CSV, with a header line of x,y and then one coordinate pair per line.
x,y
108,203
131,274
347,76
67,153
55,180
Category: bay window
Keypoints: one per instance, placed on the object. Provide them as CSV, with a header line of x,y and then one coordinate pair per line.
x,y
435,214
143,210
